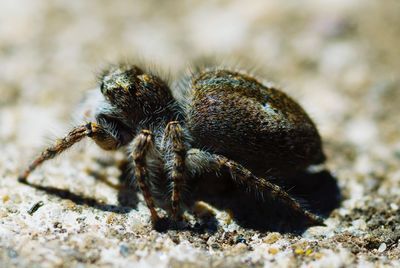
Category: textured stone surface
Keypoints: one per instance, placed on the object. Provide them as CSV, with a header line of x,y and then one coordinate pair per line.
x,y
340,59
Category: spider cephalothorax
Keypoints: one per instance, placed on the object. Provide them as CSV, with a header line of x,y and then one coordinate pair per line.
x,y
227,121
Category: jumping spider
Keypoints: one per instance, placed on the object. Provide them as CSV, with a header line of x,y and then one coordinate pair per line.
x,y
225,121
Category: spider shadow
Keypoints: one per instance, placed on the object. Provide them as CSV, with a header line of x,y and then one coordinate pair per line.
x,y
127,196
127,201
78,199
317,192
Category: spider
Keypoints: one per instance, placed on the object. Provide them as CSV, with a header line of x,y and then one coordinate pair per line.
x,y
223,121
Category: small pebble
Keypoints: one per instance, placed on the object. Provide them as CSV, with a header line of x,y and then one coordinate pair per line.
x,y
272,238
299,251
394,207
6,198
124,251
69,204
110,219
382,247
360,224
35,207
273,251
309,252
12,253
240,239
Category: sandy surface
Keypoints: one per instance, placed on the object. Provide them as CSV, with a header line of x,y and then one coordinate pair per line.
x,y
340,59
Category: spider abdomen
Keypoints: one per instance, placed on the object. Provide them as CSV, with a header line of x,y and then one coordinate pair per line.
x,y
261,127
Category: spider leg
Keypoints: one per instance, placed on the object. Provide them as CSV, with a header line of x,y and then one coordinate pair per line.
x,y
142,144
202,161
174,137
93,130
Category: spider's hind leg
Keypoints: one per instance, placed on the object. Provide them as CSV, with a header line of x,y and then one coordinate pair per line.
x,y
240,175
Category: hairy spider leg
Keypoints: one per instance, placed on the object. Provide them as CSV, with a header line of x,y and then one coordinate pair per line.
x,y
141,145
173,135
92,130
199,160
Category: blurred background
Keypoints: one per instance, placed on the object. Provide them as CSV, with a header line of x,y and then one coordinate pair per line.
x,y
339,58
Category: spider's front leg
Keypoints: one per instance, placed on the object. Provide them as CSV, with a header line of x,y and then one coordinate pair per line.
x,y
174,143
141,146
203,161
100,135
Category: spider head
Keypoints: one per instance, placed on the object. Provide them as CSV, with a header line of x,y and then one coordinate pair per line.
x,y
138,94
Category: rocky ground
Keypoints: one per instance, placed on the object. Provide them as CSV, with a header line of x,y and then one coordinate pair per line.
x,y
340,59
